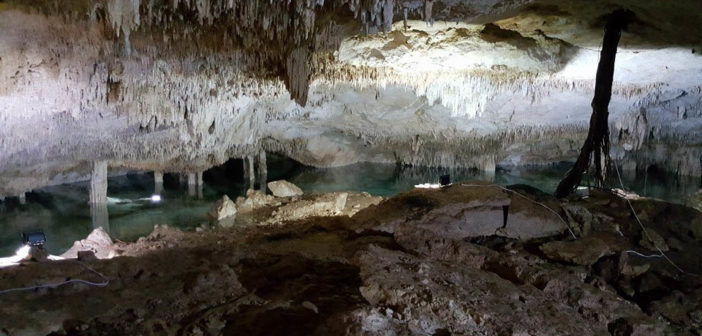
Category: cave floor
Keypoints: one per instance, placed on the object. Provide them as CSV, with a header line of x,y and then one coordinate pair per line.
x,y
424,262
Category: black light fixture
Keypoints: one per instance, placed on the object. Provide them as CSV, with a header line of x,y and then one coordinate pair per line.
x,y
34,238
445,180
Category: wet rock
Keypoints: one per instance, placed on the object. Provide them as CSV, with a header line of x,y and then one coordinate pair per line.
x,y
651,240
98,241
222,209
283,188
584,251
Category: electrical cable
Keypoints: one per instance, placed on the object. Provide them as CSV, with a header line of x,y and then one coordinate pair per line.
x,y
58,284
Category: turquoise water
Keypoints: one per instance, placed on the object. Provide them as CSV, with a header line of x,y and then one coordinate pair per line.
x,y
64,215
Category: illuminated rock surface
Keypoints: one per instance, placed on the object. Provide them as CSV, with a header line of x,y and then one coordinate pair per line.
x,y
181,86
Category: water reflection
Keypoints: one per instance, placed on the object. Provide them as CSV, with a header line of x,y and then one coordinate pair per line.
x,y
63,212
99,216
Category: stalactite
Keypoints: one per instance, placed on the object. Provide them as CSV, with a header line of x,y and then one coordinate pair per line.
x,y
299,73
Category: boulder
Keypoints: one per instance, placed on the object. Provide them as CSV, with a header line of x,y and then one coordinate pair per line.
x,y
223,208
98,242
255,199
585,251
330,204
284,188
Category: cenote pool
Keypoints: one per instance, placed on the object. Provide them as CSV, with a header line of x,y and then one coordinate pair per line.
x,y
64,215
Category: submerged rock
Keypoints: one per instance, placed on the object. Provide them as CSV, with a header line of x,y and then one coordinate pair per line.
x,y
284,188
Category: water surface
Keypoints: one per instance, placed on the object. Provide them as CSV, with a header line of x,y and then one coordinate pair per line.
x,y
63,214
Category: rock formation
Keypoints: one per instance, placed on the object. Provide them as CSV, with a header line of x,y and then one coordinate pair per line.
x,y
180,86
284,188
350,276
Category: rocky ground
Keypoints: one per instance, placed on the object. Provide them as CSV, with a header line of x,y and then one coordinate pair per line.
x,y
469,259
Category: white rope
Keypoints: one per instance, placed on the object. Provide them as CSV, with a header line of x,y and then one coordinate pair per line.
x,y
58,284
528,199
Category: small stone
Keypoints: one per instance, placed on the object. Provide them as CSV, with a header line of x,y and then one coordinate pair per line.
x,y
86,256
283,188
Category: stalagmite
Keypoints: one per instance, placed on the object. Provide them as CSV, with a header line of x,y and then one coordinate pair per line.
x,y
192,184
251,171
98,183
200,184
262,170
100,216
158,183
428,8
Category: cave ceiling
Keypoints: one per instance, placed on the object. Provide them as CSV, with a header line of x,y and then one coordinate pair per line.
x,y
181,85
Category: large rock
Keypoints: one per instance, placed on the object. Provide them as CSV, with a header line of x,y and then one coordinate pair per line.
x,y
223,208
98,242
471,209
330,204
283,188
584,251
460,211
255,199
532,216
